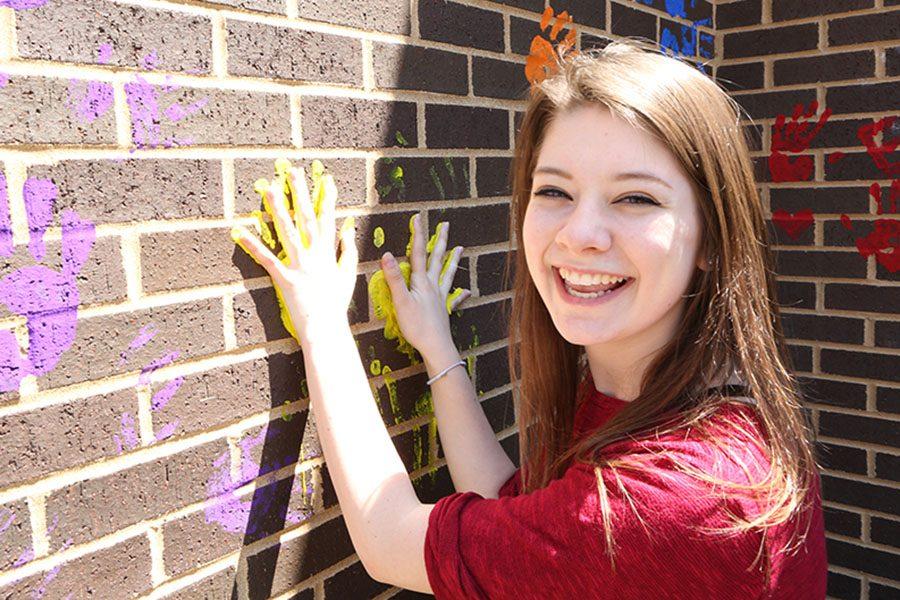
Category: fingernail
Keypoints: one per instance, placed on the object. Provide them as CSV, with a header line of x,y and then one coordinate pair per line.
x,y
389,259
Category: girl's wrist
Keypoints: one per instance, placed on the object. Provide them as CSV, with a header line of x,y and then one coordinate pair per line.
x,y
322,329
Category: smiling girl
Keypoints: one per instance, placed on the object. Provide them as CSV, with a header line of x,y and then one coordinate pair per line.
x,y
665,450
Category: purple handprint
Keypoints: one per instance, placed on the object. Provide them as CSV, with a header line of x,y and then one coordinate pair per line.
x,y
48,299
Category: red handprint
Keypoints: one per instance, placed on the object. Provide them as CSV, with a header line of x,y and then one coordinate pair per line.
x,y
879,151
794,138
884,241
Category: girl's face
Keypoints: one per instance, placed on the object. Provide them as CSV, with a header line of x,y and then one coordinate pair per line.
x,y
594,209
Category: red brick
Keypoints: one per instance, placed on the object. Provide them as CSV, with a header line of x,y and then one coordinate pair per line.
x,y
405,67
257,50
74,31
118,191
122,571
355,123
101,279
193,329
15,532
218,585
349,177
389,16
269,6
466,127
132,495
214,398
61,436
462,25
35,111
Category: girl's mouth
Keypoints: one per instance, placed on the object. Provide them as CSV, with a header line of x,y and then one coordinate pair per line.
x,y
572,296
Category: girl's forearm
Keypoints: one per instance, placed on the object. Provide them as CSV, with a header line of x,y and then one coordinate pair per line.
x,y
369,477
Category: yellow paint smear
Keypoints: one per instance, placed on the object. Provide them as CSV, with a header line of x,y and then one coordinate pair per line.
x,y
382,302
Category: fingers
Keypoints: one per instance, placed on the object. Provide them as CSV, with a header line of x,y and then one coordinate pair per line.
x,y
448,270
417,256
459,299
436,258
258,252
349,252
394,277
276,205
304,217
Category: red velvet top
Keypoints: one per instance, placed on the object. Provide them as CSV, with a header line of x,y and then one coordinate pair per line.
x,y
550,543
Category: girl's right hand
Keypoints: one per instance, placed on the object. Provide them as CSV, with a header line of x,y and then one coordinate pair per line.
x,y
422,308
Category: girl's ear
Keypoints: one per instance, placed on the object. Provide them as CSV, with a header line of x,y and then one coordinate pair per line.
x,y
703,263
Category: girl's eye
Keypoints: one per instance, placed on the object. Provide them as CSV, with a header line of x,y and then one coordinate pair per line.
x,y
639,199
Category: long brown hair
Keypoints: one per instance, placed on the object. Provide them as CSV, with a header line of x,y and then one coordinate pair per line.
x,y
731,322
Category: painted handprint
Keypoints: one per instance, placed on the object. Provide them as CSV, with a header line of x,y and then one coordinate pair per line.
x,y
48,299
879,151
542,61
794,137
884,240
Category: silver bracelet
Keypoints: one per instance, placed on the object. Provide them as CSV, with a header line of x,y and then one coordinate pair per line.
x,y
444,372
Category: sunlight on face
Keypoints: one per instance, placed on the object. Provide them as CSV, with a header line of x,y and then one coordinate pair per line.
x,y
585,214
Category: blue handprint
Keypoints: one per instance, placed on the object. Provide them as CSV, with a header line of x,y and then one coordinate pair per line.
x,y
48,299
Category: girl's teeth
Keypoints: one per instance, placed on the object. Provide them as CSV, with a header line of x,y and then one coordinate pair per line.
x,y
586,295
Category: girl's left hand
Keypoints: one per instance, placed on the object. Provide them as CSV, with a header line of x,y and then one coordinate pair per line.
x,y
315,288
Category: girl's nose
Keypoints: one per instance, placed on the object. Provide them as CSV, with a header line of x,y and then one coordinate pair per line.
x,y
582,232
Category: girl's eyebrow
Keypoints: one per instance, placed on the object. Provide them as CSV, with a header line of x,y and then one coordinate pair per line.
x,y
618,177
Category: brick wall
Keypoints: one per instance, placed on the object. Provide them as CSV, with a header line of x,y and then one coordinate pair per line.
x,y
157,442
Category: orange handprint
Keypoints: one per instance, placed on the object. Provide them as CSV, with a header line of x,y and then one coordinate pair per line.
x,y
543,61
794,138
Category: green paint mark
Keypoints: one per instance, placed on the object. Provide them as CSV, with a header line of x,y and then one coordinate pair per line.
x,y
400,139
448,164
304,388
377,397
375,367
378,237
437,182
285,416
466,178
388,160
396,175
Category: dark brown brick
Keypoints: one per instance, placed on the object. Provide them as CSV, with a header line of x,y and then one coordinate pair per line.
x,y
500,411
887,334
258,50
855,166
823,328
227,394
443,21
892,61
413,448
200,538
861,297
778,236
837,235
225,117
886,531
291,562
521,32
491,268
843,586
476,225
182,259
62,436
353,582
121,571
117,191
492,370
35,111
693,11
584,12
510,445
74,31
355,123
801,357
219,585
499,79
840,132
269,6
100,280
476,325
768,105
493,176
836,393
532,5
858,558
434,485
349,177
744,76
832,67
796,294
771,40
15,538
860,364
851,200
420,179
390,16
879,591
628,21
887,466
843,522
132,495
784,11
99,341
807,262
868,97
859,428
401,67
842,458
466,127
738,13
875,27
